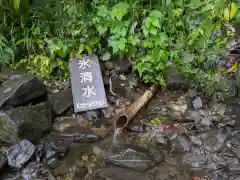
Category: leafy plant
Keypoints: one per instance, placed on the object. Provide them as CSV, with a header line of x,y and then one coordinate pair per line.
x,y
185,34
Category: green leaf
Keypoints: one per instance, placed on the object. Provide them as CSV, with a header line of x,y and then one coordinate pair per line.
x,y
155,22
121,43
101,29
148,44
119,10
148,22
134,40
153,31
156,14
89,49
238,18
106,56
230,12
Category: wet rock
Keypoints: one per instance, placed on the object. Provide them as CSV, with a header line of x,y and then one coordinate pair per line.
x,y
137,128
181,143
176,80
51,150
92,115
219,109
61,101
234,167
167,172
130,157
230,159
195,160
206,121
197,103
179,108
20,89
28,172
194,115
19,154
119,174
61,123
32,121
108,112
234,145
233,111
214,140
80,173
215,161
78,134
121,86
3,158
32,171
8,130
196,141
161,139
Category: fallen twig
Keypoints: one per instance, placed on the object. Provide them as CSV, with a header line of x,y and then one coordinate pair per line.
x,y
110,87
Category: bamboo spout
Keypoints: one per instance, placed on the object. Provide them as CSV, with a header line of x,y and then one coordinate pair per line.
x,y
125,118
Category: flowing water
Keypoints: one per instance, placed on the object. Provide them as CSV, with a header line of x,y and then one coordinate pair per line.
x,y
116,134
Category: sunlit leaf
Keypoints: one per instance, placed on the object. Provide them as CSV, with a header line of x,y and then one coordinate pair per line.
x,y
232,68
230,12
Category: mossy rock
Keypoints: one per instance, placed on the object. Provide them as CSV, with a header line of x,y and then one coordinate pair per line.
x,y
17,89
32,121
8,130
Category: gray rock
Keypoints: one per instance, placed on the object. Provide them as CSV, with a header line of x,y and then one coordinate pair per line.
x,y
19,154
176,80
63,122
180,144
3,158
120,174
194,115
195,160
130,157
121,86
32,121
20,89
78,134
8,130
36,172
61,101
214,140
80,173
197,103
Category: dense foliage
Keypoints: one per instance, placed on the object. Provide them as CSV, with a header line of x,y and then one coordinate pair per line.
x,y
155,34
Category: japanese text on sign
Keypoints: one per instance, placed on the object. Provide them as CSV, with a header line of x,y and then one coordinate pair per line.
x,y
87,85
86,77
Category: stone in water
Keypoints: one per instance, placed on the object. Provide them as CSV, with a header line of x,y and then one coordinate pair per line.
x,y
19,154
87,84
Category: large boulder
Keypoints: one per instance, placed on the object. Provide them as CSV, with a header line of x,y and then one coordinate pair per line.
x,y
8,130
61,101
3,158
31,121
19,89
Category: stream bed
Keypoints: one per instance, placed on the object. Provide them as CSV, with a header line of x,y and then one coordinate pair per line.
x,y
178,135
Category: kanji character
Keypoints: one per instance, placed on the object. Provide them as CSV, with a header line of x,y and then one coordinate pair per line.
x,y
88,91
86,76
83,64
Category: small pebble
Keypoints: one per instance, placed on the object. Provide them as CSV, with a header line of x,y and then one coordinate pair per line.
x,y
197,103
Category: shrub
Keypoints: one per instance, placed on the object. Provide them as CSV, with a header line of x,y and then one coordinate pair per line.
x,y
156,35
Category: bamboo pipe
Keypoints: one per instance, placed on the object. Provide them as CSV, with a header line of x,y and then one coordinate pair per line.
x,y
125,118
